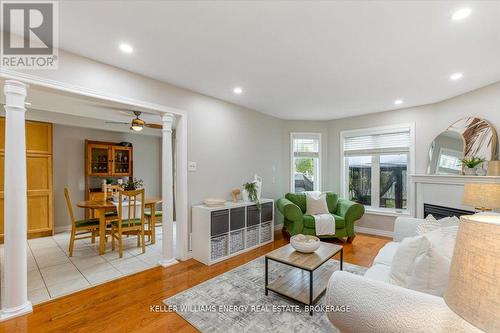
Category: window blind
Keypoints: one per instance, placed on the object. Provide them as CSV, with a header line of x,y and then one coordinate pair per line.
x,y
305,145
377,143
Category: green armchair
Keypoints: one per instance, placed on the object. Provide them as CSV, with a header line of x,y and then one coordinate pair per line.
x,y
293,208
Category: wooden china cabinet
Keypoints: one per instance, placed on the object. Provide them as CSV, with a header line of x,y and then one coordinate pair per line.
x,y
105,160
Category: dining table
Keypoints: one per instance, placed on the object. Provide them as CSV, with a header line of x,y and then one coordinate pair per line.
x,y
99,207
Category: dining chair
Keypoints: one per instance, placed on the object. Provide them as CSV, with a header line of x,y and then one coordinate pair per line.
x,y
130,219
80,227
110,191
152,223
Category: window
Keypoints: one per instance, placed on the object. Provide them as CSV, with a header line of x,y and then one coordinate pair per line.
x,y
376,166
305,162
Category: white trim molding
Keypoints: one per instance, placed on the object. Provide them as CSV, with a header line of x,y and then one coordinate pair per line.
x,y
307,135
372,231
85,91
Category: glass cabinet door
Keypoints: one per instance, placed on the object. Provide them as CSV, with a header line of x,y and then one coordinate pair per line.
x,y
99,160
122,161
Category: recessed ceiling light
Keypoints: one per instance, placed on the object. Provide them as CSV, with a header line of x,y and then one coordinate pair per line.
x,y
398,102
237,90
460,14
126,48
456,76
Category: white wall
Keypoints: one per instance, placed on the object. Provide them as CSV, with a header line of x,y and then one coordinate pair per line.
x,y
69,165
230,142
430,121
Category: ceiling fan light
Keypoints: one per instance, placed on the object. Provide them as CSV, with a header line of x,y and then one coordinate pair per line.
x,y
136,128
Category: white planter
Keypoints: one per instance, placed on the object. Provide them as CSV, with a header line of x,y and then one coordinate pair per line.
x,y
258,187
244,195
470,171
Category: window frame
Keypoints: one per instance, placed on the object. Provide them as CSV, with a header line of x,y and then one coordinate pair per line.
x,y
344,168
312,135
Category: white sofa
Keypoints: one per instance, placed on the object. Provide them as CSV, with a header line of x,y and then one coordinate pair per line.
x,y
375,305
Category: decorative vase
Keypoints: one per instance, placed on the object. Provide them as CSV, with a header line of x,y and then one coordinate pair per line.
x,y
470,171
305,243
258,187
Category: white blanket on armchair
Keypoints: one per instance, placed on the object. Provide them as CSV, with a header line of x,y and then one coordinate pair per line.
x,y
324,224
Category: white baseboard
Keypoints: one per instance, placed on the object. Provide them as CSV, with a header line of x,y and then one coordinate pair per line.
x,y
278,227
189,255
62,228
372,231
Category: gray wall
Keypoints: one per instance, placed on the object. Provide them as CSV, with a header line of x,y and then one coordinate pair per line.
x,y
69,165
230,143
430,121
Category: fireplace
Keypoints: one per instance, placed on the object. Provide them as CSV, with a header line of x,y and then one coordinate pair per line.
x,y
440,212
437,193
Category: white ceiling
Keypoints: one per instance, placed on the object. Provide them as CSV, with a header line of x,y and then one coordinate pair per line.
x,y
296,60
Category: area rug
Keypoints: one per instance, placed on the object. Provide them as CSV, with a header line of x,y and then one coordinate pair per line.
x,y
235,302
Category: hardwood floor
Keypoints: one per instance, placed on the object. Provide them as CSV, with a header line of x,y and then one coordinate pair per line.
x,y
124,305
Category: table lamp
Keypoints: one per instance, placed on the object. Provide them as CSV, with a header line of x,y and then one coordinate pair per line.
x,y
483,197
473,290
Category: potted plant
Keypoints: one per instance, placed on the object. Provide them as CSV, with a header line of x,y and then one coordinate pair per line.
x,y
470,164
249,193
133,184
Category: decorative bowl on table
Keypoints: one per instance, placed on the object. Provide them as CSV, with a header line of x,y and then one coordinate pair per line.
x,y
305,243
214,202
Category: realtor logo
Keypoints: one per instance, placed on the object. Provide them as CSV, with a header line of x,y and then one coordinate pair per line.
x,y
29,34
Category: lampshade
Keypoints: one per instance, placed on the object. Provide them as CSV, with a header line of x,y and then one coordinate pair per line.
x,y
493,168
482,196
474,282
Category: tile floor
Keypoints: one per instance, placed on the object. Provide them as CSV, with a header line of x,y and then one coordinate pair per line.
x,y
51,273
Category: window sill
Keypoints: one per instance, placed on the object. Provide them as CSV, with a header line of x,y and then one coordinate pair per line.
x,y
383,212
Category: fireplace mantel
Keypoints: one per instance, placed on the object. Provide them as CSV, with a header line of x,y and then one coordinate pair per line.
x,y
453,180
443,190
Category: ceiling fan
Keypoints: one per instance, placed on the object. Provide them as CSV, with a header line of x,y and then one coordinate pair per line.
x,y
137,124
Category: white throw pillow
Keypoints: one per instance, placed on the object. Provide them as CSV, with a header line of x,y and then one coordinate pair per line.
x,y
432,269
443,240
431,224
316,204
404,259
430,274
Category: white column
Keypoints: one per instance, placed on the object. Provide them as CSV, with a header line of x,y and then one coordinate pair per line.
x,y
15,274
181,186
167,192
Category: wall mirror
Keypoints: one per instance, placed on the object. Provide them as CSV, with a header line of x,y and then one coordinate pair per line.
x,y
445,154
467,137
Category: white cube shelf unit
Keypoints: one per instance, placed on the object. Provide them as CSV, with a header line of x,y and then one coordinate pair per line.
x,y
225,231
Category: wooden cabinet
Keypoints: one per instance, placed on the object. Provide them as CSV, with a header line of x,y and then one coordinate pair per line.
x,y
99,160
108,159
39,178
105,160
121,162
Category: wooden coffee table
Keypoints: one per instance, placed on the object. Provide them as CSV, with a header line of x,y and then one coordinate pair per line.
x,y
295,284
